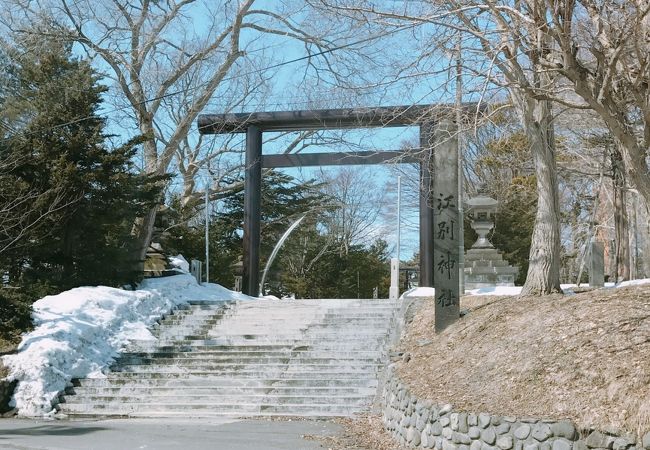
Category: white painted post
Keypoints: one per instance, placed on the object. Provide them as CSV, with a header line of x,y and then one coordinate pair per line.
x,y
393,293
399,213
394,271
207,229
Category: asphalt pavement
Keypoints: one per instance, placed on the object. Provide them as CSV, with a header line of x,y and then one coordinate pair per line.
x,y
162,434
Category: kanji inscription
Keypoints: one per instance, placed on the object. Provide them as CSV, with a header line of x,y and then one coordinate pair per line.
x,y
447,225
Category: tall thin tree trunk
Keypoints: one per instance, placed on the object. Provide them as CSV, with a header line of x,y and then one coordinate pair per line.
x,y
544,267
621,228
144,226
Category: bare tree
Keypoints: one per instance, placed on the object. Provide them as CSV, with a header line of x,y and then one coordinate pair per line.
x,y
492,37
157,50
358,205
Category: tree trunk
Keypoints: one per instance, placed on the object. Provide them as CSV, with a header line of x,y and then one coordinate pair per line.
x,y
621,241
143,229
544,267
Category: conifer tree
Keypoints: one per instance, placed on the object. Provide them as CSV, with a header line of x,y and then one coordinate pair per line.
x,y
74,198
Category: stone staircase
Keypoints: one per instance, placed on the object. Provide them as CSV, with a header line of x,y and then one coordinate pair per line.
x,y
315,358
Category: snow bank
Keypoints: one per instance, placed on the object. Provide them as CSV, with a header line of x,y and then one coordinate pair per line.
x,y
179,262
79,332
419,292
495,290
633,282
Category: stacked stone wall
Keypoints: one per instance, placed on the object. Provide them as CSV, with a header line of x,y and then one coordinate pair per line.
x,y
418,423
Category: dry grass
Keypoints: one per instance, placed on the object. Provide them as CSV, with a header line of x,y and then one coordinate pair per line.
x,y
363,433
585,357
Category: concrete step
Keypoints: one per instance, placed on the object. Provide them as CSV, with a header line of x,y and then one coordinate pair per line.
x,y
324,391
260,399
259,368
232,374
277,338
316,358
201,415
247,356
237,340
234,408
258,360
216,382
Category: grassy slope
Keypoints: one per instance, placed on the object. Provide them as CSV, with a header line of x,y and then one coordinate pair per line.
x,y
583,357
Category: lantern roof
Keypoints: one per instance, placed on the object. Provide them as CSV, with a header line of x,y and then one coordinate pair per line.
x,y
482,200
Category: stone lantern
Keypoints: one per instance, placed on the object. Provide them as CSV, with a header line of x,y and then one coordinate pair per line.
x,y
481,210
484,265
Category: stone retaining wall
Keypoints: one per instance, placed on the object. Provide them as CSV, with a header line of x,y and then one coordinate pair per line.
x,y
421,424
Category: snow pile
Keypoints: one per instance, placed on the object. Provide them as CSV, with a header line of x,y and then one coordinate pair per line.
x,y
180,263
79,332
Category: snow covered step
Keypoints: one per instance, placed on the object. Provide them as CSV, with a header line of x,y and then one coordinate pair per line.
x,y
155,391
260,399
245,369
234,352
252,374
267,382
255,365
257,360
198,410
234,340
317,358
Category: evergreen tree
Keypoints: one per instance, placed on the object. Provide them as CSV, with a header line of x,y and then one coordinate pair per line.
x,y
74,198
284,200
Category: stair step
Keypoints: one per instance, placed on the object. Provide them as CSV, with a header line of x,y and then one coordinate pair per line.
x,y
249,358
228,382
221,399
155,391
246,360
261,367
258,354
254,374
238,408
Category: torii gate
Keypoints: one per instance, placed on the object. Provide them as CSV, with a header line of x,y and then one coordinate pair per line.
x,y
439,197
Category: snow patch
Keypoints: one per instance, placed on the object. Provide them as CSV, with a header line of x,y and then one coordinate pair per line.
x,y
180,263
80,332
495,290
419,292
492,290
633,282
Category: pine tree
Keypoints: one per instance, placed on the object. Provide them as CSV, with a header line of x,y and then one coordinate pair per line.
x,y
79,197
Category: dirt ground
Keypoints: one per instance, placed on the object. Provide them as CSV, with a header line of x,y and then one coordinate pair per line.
x,y
585,357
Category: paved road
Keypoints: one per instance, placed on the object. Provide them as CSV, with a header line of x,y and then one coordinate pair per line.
x,y
162,434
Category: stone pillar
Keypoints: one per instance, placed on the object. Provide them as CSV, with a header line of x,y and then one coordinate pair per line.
x,y
196,269
393,293
446,222
596,264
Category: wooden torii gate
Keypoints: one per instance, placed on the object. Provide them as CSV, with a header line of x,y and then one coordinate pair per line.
x,y
439,196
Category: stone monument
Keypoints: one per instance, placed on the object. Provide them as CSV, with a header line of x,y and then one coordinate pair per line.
x,y
484,264
596,264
